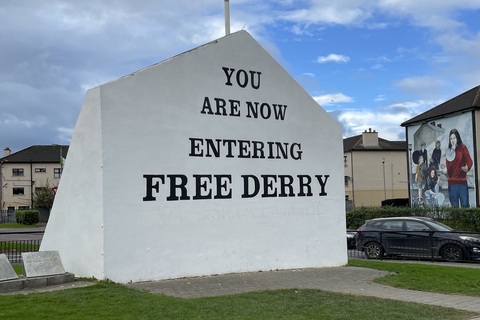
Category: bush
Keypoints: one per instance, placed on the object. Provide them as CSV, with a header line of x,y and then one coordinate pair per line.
x,y
43,197
28,217
462,219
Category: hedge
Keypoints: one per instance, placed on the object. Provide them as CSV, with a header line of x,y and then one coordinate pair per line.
x,y
29,217
462,219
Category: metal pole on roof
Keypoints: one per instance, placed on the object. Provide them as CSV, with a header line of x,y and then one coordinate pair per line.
x,y
227,17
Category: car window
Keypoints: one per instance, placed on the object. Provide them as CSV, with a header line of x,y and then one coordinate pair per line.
x,y
374,224
392,225
440,226
416,226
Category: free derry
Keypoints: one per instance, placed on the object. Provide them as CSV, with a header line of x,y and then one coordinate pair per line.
x,y
178,187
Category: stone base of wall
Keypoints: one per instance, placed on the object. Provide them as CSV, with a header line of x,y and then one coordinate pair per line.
x,y
35,282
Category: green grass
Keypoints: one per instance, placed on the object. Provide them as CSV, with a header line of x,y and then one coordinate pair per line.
x,y
426,277
18,246
16,226
106,300
18,267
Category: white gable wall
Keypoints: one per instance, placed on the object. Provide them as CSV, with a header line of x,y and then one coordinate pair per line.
x,y
147,121
75,227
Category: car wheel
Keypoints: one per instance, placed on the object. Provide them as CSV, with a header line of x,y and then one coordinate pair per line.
x,y
452,252
373,250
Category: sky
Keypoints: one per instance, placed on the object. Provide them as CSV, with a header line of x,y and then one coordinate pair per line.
x,y
369,63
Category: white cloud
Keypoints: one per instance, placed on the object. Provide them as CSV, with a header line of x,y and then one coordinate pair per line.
x,y
424,86
331,12
333,57
330,99
387,125
386,121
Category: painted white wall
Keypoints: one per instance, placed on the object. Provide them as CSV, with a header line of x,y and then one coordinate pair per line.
x,y
75,226
146,121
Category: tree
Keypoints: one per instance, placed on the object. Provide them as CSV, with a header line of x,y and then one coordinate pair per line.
x,y
43,197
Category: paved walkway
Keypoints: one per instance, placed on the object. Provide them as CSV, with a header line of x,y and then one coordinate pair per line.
x,y
350,280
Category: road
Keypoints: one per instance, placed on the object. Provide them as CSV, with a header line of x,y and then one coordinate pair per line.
x,y
8,234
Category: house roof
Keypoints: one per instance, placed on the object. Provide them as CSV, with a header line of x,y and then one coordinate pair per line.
x,y
355,144
468,100
38,154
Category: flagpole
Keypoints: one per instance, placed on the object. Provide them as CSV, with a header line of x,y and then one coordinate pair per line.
x,y
227,17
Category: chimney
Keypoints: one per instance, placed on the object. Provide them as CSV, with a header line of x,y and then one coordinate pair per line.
x,y
7,152
370,138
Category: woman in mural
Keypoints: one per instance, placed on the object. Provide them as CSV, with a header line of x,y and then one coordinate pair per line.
x,y
459,163
431,187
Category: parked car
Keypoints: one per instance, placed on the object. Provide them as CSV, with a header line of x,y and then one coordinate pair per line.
x,y
351,241
416,237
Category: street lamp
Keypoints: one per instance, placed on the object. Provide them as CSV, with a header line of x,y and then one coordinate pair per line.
x,y
384,183
409,169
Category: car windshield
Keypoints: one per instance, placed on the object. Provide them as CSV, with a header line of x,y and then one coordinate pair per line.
x,y
440,226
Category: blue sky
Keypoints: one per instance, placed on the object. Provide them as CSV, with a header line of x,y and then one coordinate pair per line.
x,y
370,64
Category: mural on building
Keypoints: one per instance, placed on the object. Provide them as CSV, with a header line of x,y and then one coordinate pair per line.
x,y
440,162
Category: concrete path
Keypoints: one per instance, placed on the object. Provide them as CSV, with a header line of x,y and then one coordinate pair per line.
x,y
349,280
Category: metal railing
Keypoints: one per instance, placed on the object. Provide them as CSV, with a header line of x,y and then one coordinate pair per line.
x,y
14,249
7,216
14,243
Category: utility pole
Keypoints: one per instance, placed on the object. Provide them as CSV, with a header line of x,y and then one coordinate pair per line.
x,y
227,17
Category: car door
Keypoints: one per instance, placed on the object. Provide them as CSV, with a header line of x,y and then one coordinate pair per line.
x,y
393,239
418,241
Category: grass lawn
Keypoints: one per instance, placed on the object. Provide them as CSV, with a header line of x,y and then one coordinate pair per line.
x,y
107,300
16,226
426,277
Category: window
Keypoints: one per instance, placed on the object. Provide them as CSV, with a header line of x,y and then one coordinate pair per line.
x,y
345,161
18,191
416,226
57,173
347,178
392,225
17,172
23,207
40,170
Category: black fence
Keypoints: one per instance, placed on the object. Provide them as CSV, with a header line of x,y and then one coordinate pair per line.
x,y
7,216
13,244
415,245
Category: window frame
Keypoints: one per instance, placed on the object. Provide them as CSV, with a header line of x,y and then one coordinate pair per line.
x,y
57,173
16,191
18,172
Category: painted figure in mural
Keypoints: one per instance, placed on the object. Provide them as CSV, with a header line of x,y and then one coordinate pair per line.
x,y
436,155
459,163
423,152
420,175
431,187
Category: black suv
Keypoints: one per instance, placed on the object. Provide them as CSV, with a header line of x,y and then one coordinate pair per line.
x,y
416,237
